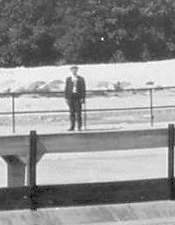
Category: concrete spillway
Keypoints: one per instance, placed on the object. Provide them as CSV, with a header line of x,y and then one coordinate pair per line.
x,y
150,213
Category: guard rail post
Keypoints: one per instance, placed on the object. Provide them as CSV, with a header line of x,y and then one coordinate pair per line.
x,y
85,116
171,157
32,169
13,113
151,107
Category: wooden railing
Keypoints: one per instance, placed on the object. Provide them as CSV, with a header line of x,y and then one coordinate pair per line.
x,y
26,150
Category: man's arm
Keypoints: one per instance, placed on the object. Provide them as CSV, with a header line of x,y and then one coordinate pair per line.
x,y
66,90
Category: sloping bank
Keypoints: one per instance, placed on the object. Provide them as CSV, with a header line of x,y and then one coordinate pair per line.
x,y
151,213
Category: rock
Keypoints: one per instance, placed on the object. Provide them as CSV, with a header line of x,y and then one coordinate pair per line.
x,y
35,86
55,85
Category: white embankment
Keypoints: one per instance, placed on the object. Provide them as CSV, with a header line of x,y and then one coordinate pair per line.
x,y
131,75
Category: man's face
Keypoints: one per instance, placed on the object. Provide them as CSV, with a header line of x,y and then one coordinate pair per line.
x,y
74,71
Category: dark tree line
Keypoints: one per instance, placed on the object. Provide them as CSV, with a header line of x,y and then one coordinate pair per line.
x,y
44,32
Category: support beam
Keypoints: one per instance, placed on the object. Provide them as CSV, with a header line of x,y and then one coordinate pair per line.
x,y
89,141
15,171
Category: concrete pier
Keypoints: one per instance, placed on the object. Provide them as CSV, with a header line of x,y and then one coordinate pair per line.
x,y
15,171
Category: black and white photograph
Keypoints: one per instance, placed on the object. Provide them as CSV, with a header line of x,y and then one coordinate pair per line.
x,y
87,112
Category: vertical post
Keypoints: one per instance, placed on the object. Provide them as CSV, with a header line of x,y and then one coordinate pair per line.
x,y
32,168
171,153
151,107
13,113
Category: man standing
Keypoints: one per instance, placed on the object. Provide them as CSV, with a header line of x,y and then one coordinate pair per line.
x,y
75,96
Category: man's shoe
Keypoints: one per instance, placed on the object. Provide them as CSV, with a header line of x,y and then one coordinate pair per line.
x,y
71,129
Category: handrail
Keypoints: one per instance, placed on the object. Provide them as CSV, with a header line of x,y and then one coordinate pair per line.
x,y
40,92
151,106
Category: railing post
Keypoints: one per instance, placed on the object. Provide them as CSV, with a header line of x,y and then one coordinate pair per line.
x,y
171,156
85,116
151,107
13,113
32,169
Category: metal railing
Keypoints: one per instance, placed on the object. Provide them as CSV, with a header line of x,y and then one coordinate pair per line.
x,y
150,107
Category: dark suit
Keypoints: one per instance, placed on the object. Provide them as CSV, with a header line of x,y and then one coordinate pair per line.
x,y
75,99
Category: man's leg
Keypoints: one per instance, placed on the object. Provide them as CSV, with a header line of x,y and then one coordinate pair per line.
x,y
72,114
79,114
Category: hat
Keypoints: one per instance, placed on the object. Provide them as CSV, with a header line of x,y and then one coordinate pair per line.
x,y
74,67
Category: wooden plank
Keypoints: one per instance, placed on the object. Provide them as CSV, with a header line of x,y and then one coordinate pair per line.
x,y
87,194
105,140
14,198
103,193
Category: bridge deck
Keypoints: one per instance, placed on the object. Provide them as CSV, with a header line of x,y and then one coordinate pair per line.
x,y
101,140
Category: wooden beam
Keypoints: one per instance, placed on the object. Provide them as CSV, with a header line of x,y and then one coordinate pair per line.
x,y
86,194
